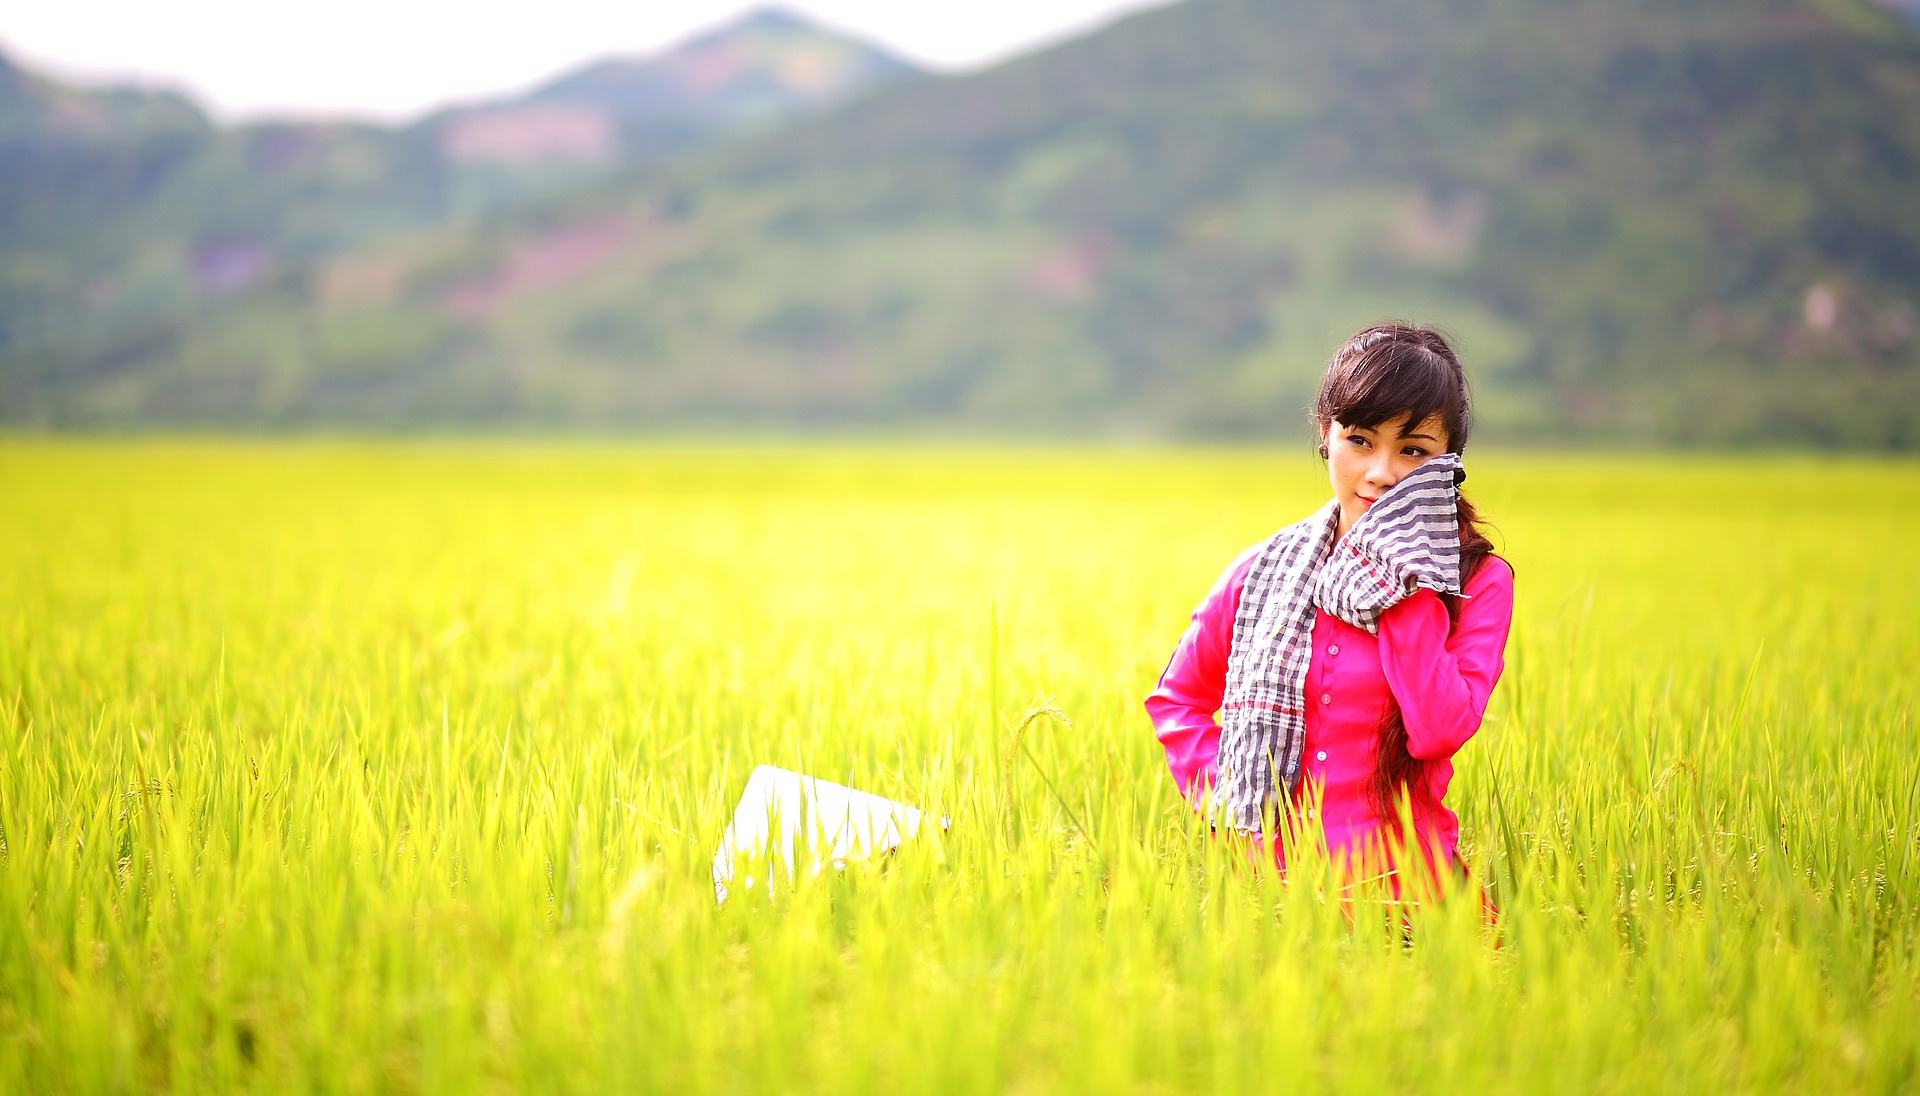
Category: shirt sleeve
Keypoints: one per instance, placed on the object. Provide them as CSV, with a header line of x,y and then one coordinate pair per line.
x,y
1441,674
1183,704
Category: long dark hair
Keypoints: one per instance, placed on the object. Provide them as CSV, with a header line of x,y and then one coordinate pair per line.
x,y
1379,374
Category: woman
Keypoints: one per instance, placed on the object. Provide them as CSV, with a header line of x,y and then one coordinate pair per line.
x,y
1351,655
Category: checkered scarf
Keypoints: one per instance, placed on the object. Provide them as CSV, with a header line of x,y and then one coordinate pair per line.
x,y
1409,538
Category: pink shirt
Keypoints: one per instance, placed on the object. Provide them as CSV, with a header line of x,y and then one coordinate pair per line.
x,y
1440,674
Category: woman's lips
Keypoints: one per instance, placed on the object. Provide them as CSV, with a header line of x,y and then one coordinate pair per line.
x,y
1365,501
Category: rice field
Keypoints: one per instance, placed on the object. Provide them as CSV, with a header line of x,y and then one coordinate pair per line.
x,y
355,766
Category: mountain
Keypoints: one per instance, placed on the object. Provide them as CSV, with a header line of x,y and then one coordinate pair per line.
x,y
1690,223
768,67
1909,8
128,220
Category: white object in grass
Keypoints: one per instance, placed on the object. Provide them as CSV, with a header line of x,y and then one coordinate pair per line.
x,y
800,823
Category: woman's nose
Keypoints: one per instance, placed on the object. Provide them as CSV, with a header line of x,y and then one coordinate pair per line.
x,y
1380,471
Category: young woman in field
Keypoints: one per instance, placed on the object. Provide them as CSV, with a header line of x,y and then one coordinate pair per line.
x,y
1351,655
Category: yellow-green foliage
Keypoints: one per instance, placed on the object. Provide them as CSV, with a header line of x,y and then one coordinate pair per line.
x,y
353,766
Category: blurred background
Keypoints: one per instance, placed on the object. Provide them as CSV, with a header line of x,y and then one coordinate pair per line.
x,y
1675,223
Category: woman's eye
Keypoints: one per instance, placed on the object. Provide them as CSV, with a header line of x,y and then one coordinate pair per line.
x,y
1414,451
1356,440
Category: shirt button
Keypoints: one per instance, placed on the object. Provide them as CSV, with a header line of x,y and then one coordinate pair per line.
x,y
1334,650
1321,756
1326,698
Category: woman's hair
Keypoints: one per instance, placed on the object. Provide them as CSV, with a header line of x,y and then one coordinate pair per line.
x,y
1379,374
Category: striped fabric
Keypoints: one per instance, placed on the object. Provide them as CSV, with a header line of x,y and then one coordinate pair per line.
x,y
1408,539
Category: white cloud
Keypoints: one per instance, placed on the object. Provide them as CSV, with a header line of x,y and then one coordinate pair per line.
x,y
399,58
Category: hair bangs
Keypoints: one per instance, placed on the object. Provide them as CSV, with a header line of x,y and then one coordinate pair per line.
x,y
1381,375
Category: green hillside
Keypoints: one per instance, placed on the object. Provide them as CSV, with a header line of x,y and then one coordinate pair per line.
x,y
129,222
759,71
1688,222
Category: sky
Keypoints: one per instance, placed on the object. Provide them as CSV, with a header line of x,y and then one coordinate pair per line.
x,y
395,59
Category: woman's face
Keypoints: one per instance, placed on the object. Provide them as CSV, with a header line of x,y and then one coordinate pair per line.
x,y
1363,461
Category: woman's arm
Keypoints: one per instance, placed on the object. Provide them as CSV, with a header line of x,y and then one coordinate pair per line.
x,y
1440,674
1183,704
